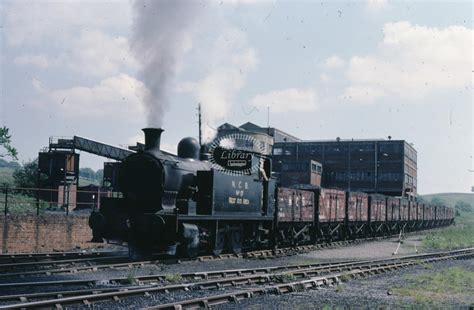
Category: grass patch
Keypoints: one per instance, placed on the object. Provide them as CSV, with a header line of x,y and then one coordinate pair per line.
x,y
459,236
340,288
283,278
345,278
21,203
435,287
173,277
131,279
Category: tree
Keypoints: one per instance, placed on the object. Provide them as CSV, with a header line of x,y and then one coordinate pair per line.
x,y
463,206
438,201
87,173
99,175
5,143
27,175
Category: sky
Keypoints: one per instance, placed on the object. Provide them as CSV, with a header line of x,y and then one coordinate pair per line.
x,y
349,69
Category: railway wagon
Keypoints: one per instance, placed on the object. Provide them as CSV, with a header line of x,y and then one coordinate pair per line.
x,y
428,216
419,213
404,210
317,214
357,214
295,217
413,211
444,215
450,215
440,215
331,206
393,214
377,217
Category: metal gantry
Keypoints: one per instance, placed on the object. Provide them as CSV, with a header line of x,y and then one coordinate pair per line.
x,y
90,146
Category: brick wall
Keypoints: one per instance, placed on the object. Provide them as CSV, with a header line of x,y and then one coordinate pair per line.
x,y
44,233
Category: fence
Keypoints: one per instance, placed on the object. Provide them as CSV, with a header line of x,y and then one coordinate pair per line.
x,y
17,200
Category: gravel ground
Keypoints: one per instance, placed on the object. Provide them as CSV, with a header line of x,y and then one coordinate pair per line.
x,y
373,249
374,292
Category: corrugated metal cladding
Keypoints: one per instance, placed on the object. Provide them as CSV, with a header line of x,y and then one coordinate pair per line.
x,y
377,166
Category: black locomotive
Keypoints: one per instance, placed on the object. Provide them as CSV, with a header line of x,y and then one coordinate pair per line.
x,y
179,203
182,205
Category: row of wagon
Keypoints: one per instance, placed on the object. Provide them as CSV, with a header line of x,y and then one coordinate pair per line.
x,y
318,214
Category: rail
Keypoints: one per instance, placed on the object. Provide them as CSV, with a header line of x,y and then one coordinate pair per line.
x,y
253,282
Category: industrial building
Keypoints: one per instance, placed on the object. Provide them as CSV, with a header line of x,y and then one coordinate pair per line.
x,y
382,166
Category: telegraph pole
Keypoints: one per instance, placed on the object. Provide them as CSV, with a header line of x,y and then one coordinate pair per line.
x,y
199,121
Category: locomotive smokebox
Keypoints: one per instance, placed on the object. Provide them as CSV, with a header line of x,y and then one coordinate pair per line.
x,y
152,138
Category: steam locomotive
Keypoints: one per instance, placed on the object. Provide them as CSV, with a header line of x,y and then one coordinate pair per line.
x,y
183,205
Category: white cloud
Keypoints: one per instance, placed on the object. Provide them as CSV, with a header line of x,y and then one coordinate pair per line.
x,y
231,59
93,53
288,100
334,62
364,94
37,60
241,2
117,96
375,5
36,22
78,36
324,77
98,54
413,62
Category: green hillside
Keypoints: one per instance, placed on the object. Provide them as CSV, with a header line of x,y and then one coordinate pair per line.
x,y
451,198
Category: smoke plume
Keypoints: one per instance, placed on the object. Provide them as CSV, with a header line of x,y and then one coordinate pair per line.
x,y
160,39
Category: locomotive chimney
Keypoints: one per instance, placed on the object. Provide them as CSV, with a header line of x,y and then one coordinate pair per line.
x,y
152,138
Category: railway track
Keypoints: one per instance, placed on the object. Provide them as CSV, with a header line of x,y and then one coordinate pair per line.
x,y
308,276
313,282
72,266
90,264
52,256
59,263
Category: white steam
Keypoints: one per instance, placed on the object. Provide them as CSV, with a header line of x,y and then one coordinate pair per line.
x,y
230,62
160,39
